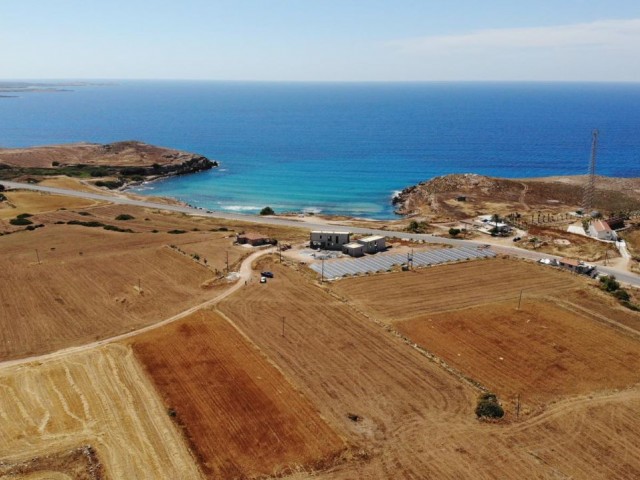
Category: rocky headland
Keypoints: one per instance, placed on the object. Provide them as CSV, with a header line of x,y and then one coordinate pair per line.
x,y
110,165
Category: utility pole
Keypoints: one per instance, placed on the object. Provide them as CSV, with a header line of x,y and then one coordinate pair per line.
x,y
38,256
520,300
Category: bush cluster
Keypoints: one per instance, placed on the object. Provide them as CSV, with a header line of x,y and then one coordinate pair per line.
x,y
488,406
125,216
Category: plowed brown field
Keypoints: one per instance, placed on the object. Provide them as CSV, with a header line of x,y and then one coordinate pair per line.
x,y
100,398
541,352
240,414
402,295
416,420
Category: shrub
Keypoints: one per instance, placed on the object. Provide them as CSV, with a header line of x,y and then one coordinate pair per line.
x,y
454,232
110,184
176,232
24,215
85,224
55,164
2,196
98,172
125,216
128,171
20,221
267,211
488,406
113,228
622,295
610,284
85,214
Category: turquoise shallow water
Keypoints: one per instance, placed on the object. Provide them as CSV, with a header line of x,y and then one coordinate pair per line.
x,y
341,148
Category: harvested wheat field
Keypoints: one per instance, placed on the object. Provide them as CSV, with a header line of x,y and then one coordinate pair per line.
x,y
541,352
90,284
19,202
414,420
99,398
398,296
240,415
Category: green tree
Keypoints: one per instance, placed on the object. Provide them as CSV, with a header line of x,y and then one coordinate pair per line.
x,y
454,232
488,406
267,211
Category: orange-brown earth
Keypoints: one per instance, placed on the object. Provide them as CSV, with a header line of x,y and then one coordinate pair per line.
x,y
415,419
240,415
541,352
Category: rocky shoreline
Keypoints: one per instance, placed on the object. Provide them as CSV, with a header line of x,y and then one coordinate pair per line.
x,y
113,165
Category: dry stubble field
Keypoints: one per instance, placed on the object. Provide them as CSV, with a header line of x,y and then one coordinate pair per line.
x,y
399,296
99,398
416,420
239,413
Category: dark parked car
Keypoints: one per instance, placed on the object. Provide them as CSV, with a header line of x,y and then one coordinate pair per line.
x,y
267,274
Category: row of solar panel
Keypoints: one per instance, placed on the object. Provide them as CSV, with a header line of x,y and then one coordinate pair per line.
x,y
383,262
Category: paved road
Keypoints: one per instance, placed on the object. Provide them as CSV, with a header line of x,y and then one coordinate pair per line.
x,y
625,277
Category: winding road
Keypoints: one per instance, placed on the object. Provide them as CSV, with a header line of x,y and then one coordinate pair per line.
x,y
244,276
622,276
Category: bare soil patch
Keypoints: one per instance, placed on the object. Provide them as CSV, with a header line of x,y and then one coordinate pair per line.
x,y
541,352
239,413
80,463
553,241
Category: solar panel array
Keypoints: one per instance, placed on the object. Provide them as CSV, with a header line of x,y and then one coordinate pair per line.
x,y
383,262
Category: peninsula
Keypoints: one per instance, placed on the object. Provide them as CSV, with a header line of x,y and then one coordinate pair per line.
x,y
111,165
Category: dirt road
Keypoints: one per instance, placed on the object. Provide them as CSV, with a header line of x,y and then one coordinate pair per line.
x,y
244,276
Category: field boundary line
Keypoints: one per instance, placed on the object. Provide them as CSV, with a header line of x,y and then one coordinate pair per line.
x,y
418,348
244,271
597,317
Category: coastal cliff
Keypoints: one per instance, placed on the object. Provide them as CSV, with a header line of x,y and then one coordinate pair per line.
x,y
111,165
458,196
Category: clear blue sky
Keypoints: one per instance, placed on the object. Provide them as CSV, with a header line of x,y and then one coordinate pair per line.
x,y
321,40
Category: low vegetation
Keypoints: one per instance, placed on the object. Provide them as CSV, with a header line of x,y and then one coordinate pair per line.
x,y
125,216
488,406
267,211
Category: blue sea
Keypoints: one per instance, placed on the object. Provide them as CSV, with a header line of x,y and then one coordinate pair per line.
x,y
340,148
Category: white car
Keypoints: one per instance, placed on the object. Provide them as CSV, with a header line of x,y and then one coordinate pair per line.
x,y
263,279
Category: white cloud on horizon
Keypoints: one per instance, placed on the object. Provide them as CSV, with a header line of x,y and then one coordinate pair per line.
x,y
606,34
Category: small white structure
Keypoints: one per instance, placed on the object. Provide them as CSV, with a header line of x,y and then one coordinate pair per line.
x,y
601,230
353,249
329,240
373,244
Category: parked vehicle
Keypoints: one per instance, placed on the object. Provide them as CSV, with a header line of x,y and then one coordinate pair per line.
x,y
267,274
263,279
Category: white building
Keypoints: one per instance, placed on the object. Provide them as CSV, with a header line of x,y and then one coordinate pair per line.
x,y
353,249
373,244
601,230
329,240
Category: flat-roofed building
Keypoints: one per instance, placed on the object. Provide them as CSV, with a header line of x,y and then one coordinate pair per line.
x,y
373,244
353,249
253,239
329,240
